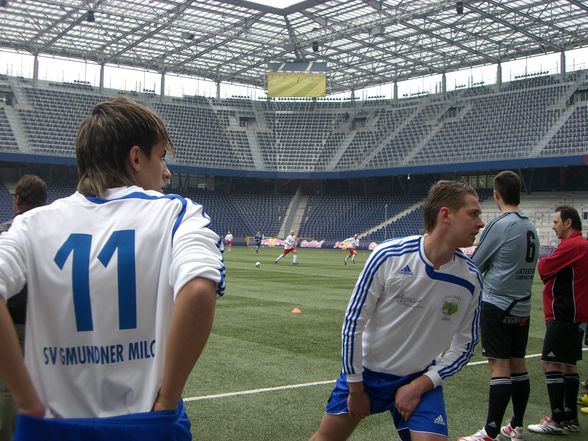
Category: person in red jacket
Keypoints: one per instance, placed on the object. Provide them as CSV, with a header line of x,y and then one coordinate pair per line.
x,y
565,304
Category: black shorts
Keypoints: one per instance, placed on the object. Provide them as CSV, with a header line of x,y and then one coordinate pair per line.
x,y
563,342
504,336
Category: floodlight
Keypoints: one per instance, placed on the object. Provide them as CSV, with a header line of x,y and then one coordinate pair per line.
x,y
90,17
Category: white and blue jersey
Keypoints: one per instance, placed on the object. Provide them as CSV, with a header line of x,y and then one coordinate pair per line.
x,y
507,256
404,314
102,277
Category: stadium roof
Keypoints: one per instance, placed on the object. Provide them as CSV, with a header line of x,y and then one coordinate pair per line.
x,y
363,42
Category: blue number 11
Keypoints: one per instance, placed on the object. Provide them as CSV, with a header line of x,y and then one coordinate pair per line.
x,y
78,245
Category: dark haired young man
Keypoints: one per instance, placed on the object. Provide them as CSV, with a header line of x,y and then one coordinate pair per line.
x,y
415,297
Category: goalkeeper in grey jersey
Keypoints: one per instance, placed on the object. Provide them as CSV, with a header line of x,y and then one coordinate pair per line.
x,y
507,256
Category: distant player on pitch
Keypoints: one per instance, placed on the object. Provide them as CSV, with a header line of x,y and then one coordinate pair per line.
x,y
258,238
289,247
352,246
229,241
415,297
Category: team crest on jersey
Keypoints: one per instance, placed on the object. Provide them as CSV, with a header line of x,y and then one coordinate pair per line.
x,y
450,306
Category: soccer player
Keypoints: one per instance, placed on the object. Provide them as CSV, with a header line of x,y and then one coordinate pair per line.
x,y
565,306
289,247
229,241
352,247
258,238
30,192
507,255
416,297
122,285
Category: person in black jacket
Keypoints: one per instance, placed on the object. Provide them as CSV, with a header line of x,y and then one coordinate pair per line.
x,y
30,192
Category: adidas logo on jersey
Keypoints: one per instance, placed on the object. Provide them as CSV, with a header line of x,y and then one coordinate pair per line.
x,y
406,271
439,420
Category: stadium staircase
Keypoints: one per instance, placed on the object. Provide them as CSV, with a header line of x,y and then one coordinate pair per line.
x,y
552,131
392,219
17,129
342,148
17,90
255,149
391,136
294,213
435,126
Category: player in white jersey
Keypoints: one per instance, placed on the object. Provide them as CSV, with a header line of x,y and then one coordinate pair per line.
x,y
415,297
229,241
289,247
352,245
122,284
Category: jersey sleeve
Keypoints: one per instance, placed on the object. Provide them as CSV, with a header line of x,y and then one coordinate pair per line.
x,y
562,257
462,345
489,243
368,289
13,259
196,251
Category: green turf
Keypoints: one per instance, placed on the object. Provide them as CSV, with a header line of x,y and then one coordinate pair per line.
x,y
257,342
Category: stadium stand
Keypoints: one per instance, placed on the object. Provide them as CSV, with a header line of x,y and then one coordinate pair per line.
x,y
242,214
7,139
528,117
6,209
342,215
535,116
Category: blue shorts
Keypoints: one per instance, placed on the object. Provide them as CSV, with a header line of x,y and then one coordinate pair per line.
x,y
149,426
428,417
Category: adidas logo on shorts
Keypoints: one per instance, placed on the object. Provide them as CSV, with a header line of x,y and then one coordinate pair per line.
x,y
439,420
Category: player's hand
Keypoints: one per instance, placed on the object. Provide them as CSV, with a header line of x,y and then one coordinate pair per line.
x,y
163,403
34,409
407,399
359,404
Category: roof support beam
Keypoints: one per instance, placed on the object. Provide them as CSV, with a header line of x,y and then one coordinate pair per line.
x,y
513,27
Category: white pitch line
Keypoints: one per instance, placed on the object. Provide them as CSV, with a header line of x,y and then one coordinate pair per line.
x,y
258,391
301,385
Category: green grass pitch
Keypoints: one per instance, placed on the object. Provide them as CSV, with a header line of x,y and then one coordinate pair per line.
x,y
258,343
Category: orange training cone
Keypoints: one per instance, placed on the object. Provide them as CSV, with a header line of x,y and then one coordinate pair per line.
x,y
296,310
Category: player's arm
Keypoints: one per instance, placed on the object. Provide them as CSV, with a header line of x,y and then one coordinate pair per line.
x,y
190,327
367,290
490,242
562,257
462,344
12,366
13,369
197,274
